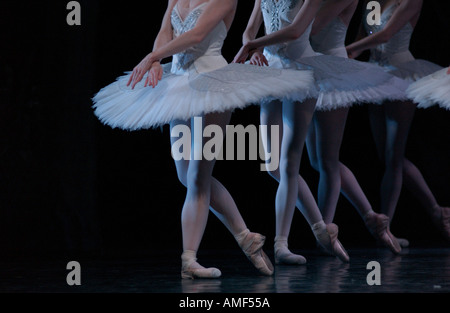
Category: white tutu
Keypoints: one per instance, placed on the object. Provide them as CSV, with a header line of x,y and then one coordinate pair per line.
x,y
198,81
180,97
342,82
413,70
432,89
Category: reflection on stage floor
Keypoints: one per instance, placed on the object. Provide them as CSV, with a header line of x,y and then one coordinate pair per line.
x,y
415,270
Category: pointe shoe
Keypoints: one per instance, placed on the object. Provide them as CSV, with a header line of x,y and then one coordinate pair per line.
x,y
378,225
251,244
404,243
190,269
441,219
283,255
327,238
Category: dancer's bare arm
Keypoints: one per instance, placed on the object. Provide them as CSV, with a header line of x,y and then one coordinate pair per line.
x,y
300,23
250,33
214,13
407,10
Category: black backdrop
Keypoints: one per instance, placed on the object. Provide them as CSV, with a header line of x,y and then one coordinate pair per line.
x,y
68,183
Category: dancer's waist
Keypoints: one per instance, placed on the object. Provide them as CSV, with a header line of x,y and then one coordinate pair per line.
x,y
391,59
184,63
293,51
338,52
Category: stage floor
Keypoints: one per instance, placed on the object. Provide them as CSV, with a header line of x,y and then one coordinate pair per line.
x,y
416,270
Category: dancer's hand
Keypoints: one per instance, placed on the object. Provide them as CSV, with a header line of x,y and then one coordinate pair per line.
x,y
140,70
154,75
352,53
242,55
258,58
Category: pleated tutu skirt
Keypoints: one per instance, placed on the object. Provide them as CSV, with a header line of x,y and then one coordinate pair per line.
x,y
182,96
431,90
413,70
342,82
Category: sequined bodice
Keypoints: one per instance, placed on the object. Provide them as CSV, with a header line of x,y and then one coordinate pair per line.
x,y
211,46
331,39
398,45
279,14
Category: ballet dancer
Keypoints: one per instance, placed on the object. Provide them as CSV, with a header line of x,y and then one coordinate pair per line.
x,y
340,83
389,47
197,83
328,36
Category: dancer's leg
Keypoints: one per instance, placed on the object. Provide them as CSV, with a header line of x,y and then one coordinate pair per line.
x,y
335,177
271,114
329,126
221,203
398,119
412,178
352,191
390,124
416,184
224,206
296,119
326,234
350,187
195,210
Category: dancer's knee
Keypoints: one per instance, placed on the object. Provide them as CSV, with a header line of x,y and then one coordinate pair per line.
x,y
275,174
182,177
197,181
290,165
395,164
314,162
329,165
408,167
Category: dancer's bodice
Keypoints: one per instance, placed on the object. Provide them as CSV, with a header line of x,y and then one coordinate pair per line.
x,y
205,56
279,14
396,50
331,39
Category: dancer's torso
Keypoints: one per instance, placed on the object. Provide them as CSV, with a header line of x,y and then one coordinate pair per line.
x,y
203,57
279,14
396,50
331,39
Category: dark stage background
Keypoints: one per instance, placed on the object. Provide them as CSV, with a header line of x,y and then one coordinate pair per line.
x,y
71,185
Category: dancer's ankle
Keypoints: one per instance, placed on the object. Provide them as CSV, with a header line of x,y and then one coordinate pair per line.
x,y
241,236
280,241
369,214
283,255
188,257
319,227
190,269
